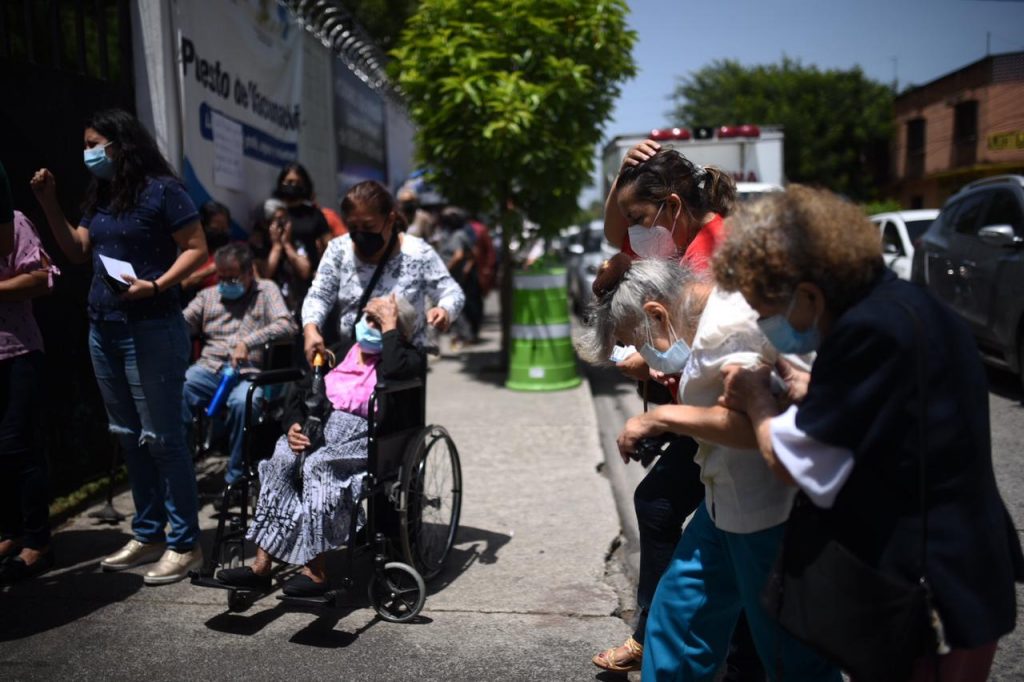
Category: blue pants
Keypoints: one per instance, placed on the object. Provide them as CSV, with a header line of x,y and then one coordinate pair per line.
x,y
200,386
712,577
140,369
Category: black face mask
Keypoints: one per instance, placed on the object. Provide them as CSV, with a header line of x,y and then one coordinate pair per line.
x,y
409,207
216,239
291,192
367,243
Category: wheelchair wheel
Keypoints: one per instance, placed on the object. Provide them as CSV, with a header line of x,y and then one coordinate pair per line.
x,y
397,593
431,501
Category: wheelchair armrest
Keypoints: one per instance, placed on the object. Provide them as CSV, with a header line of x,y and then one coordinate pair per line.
x,y
275,376
384,388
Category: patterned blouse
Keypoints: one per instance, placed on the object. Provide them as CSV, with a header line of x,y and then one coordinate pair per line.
x,y
19,333
415,274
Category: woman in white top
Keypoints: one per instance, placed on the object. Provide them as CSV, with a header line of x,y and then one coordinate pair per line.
x,y
685,326
412,270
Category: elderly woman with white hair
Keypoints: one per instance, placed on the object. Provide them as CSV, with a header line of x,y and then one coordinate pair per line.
x,y
298,523
689,327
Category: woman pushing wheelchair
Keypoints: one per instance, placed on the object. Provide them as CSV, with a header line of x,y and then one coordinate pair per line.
x,y
378,279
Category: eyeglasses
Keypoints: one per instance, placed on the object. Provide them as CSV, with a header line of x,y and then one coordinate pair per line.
x,y
232,280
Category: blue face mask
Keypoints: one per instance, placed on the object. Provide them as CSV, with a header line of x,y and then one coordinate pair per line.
x,y
98,163
671,361
368,338
231,291
785,337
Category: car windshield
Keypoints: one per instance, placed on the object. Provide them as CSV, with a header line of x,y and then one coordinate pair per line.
x,y
916,228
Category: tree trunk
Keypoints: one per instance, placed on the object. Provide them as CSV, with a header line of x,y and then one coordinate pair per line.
x,y
510,227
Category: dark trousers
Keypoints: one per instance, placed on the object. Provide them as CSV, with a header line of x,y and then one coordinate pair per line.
x,y
24,486
669,493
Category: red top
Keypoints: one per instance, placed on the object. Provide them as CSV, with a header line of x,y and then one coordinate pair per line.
x,y
698,254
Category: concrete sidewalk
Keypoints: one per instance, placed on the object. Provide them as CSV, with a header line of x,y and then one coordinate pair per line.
x,y
524,597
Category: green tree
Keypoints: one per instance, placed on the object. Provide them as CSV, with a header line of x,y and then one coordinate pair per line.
x,y
508,98
837,123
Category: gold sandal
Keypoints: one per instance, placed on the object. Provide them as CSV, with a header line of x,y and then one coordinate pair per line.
x,y
606,659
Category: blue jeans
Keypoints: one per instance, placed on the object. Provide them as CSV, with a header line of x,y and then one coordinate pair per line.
x,y
140,368
713,576
200,386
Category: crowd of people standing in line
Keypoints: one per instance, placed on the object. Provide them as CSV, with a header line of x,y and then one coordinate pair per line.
x,y
781,356
300,275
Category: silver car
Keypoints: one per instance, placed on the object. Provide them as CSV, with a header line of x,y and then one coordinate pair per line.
x,y
585,251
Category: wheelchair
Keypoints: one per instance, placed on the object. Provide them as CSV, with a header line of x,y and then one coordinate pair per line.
x,y
412,495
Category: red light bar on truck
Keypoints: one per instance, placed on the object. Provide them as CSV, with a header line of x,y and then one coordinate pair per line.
x,y
670,134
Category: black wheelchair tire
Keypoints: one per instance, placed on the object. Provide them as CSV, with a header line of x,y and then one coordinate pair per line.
x,y
432,442
397,593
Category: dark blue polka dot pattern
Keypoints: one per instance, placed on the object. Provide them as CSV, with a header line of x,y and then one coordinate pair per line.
x,y
143,237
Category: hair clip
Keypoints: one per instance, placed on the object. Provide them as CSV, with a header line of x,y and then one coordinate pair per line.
x,y
611,274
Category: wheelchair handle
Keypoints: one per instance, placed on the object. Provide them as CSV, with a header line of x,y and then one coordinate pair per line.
x,y
388,387
275,376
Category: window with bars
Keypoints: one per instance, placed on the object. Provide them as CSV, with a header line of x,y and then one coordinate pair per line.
x,y
915,148
965,133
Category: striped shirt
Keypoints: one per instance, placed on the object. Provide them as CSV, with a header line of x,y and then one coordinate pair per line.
x,y
256,318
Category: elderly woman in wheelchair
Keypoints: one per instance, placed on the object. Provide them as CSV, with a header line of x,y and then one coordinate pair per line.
x,y
309,494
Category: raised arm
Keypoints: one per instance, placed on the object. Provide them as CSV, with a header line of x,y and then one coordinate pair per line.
x,y
615,223
73,241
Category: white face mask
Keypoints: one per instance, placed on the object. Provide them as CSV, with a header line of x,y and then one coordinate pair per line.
x,y
654,241
671,361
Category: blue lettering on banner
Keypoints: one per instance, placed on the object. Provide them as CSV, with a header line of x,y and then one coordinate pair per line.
x,y
256,144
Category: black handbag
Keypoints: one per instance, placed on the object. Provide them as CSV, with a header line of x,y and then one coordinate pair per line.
x,y
871,624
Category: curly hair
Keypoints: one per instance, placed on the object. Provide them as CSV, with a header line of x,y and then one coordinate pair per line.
x,y
702,190
136,159
800,235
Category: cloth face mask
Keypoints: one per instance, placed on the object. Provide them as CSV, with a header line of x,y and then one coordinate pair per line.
x,y
231,291
654,241
785,337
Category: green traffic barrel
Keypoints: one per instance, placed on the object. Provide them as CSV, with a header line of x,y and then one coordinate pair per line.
x,y
542,355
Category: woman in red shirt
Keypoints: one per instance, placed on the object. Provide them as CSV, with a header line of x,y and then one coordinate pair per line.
x,y
661,205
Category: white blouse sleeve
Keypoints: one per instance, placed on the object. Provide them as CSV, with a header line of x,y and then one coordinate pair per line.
x,y
323,292
819,469
441,286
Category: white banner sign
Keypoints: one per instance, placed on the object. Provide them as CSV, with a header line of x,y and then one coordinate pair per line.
x,y
240,70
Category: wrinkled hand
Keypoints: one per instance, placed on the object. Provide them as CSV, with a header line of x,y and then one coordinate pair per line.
x,y
438,319
297,441
44,186
796,380
640,153
744,386
385,311
636,428
239,354
139,289
634,367
313,343
669,381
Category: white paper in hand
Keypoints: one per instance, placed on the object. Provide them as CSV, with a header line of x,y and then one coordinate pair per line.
x,y
117,269
620,353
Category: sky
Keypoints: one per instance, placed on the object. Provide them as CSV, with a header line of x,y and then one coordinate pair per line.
x,y
915,41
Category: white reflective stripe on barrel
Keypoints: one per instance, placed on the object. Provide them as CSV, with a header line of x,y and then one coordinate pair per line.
x,y
531,282
538,332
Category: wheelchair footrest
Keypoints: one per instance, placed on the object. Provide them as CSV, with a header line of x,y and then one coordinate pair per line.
x,y
200,580
327,600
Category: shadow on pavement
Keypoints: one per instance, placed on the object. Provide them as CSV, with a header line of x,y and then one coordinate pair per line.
x,y
1004,384
67,594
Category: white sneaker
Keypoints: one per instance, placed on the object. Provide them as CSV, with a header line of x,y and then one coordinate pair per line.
x,y
134,553
174,566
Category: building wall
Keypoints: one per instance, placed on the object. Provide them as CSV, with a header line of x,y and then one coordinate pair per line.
x,y
998,87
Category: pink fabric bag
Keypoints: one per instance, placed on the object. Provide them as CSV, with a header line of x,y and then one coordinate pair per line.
x,y
350,384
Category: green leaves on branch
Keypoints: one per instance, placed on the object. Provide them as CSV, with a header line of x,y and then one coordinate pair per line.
x,y
837,123
509,97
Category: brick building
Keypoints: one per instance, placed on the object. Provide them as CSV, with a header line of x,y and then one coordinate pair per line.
x,y
963,126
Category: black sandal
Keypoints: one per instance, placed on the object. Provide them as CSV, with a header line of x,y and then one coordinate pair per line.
x,y
15,569
244,577
302,585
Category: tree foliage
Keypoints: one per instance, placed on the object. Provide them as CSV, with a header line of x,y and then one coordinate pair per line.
x,y
509,97
837,123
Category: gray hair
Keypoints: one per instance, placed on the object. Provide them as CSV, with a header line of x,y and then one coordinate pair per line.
x,y
271,206
408,320
238,252
662,281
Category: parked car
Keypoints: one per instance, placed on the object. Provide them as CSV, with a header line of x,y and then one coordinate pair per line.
x,y
748,191
972,258
900,231
585,251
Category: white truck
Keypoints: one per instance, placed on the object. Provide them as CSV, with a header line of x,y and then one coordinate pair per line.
x,y
751,154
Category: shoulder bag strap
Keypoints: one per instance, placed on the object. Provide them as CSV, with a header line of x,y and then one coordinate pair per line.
x,y
378,272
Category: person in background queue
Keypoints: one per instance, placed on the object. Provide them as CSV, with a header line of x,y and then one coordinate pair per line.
x,y
216,220
138,215
24,487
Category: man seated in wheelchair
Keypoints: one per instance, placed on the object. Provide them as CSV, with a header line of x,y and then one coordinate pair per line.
x,y
236,319
310,491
